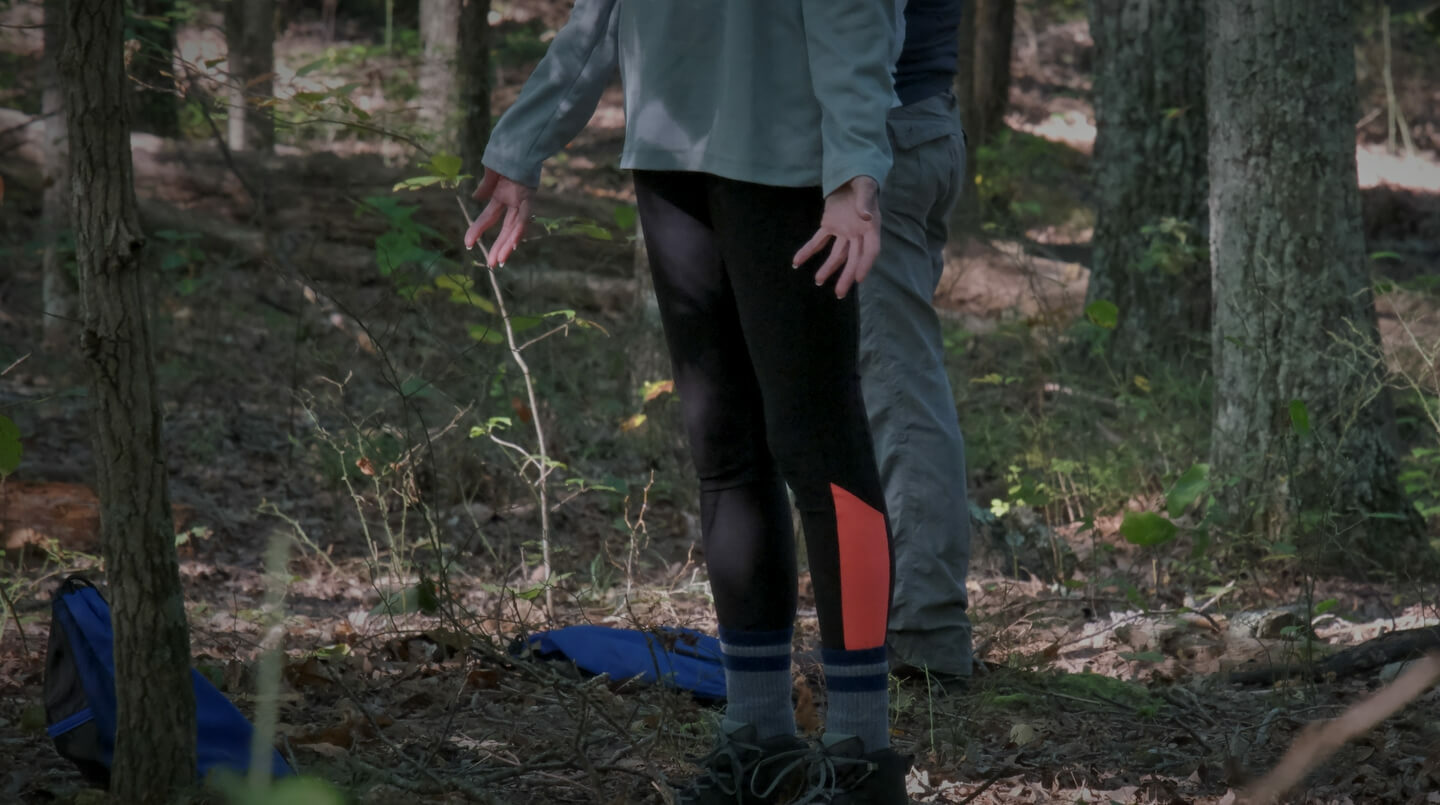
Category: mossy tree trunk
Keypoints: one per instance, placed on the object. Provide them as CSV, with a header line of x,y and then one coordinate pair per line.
x,y
1151,178
1302,435
155,750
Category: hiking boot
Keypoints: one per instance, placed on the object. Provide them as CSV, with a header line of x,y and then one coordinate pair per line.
x,y
742,770
854,777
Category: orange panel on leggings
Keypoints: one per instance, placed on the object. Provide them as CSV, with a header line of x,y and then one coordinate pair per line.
x,y
864,570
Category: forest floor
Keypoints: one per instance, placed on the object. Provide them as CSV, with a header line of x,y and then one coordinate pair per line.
x,y
321,395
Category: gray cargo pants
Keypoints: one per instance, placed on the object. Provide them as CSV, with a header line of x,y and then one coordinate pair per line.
x,y
907,394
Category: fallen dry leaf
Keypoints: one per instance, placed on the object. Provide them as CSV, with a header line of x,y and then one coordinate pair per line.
x,y
1022,734
483,678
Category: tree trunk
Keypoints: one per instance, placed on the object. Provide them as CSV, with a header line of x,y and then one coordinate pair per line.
x,y
1302,422
994,31
155,747
57,286
250,40
473,66
982,90
965,219
1151,177
156,108
439,82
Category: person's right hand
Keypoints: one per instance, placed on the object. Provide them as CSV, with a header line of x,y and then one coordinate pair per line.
x,y
509,200
852,220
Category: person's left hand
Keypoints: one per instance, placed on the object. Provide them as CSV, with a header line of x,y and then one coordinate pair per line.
x,y
852,221
509,200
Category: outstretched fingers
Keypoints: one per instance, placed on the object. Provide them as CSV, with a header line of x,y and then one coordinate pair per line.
x,y
839,250
811,248
510,233
487,218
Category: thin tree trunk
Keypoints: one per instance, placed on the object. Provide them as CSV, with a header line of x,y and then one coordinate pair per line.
x,y
439,83
156,107
473,66
994,38
57,286
982,90
250,41
1150,177
1303,425
155,747
965,219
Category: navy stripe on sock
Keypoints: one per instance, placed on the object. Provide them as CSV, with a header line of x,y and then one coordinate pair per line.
x,y
857,684
774,662
778,637
865,656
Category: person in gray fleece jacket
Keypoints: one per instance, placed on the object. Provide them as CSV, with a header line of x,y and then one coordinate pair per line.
x,y
756,134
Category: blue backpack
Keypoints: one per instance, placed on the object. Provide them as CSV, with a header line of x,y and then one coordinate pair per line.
x,y
80,694
674,657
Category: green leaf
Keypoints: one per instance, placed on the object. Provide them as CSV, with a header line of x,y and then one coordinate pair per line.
x,y
486,334
1300,418
417,182
11,449
312,67
1187,489
289,791
462,291
1147,529
519,324
1103,313
419,598
625,216
1386,256
1143,656
446,166
1326,605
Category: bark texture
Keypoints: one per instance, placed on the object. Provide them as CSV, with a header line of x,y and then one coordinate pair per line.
x,y
439,81
156,108
473,65
994,32
155,751
1302,423
1151,176
250,42
57,285
982,91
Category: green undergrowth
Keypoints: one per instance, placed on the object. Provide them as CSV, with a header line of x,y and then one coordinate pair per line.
x,y
1019,691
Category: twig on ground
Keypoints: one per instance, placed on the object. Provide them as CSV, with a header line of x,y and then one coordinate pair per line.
x,y
985,786
1321,739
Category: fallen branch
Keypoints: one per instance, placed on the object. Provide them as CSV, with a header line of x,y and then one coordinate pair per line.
x,y
1321,739
1406,644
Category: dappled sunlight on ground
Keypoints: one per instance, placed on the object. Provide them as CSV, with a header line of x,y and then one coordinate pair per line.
x,y
1418,171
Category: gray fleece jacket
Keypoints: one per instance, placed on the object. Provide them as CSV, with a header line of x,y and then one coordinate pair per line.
x,y
791,93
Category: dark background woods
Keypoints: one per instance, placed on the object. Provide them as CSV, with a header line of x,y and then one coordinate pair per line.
x,y
1150,326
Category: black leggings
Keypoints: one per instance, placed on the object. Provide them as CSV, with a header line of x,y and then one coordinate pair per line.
x,y
766,368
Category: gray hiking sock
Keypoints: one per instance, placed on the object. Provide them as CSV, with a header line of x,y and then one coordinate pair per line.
x,y
757,681
857,685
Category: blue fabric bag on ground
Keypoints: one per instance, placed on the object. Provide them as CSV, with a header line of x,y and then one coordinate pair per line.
x,y
677,658
80,694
